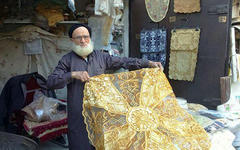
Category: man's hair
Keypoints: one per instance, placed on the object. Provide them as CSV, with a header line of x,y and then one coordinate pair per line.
x,y
75,26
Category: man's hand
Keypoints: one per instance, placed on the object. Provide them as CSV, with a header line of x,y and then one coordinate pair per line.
x,y
155,65
81,75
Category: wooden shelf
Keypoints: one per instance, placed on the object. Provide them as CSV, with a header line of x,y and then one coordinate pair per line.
x,y
28,21
69,22
24,21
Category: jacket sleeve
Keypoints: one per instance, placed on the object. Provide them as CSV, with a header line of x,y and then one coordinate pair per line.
x,y
61,75
114,62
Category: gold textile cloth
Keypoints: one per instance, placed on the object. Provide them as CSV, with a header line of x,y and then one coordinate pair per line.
x,y
183,54
53,15
138,110
157,9
186,6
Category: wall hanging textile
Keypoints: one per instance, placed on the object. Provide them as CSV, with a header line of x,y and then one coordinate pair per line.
x,y
138,110
183,54
153,45
157,9
186,6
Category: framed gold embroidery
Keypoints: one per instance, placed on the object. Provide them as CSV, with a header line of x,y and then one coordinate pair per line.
x,y
183,54
186,6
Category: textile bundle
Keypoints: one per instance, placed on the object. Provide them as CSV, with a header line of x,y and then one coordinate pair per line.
x,y
46,130
138,110
183,54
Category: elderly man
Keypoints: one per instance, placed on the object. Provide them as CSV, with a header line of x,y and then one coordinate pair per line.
x,y
75,68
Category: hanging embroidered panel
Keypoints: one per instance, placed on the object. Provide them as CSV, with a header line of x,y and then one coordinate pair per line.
x,y
157,9
138,110
183,54
186,6
153,45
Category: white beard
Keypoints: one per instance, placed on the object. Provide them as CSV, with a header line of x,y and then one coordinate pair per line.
x,y
83,51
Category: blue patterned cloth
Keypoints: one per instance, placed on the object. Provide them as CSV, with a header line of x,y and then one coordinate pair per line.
x,y
153,45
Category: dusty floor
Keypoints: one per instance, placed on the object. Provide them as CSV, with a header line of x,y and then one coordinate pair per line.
x,y
50,146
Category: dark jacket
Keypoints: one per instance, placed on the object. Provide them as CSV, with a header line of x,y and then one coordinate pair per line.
x,y
12,98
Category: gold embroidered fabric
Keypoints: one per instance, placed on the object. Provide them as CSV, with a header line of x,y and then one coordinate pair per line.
x,y
138,110
186,6
157,9
183,54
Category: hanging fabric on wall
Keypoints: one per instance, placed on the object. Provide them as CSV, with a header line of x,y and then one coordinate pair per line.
x,y
12,55
186,6
27,33
106,30
238,66
97,32
138,110
13,61
183,54
153,45
157,9
112,10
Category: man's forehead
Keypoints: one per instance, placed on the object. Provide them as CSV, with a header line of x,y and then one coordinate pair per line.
x,y
81,30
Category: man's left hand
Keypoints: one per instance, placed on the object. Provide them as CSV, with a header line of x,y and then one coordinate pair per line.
x,y
153,64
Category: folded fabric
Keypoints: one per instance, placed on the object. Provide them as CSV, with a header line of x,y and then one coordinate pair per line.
x,y
46,130
138,110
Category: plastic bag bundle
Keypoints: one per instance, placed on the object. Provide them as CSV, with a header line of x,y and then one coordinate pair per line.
x,y
42,108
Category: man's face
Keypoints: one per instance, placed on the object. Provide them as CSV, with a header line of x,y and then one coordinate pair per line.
x,y
81,37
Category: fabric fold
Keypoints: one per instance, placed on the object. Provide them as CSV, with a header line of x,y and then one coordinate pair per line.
x,y
156,121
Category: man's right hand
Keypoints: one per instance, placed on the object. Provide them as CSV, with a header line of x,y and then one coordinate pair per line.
x,y
81,75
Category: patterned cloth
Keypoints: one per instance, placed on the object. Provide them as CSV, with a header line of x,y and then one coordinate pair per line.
x,y
157,9
186,6
183,54
153,45
46,130
138,110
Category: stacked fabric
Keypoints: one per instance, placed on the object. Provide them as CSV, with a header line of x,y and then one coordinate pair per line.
x,y
46,130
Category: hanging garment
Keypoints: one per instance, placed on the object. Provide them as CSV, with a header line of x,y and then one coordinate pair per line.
x,y
157,9
238,66
153,45
106,30
186,6
183,54
112,10
138,110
